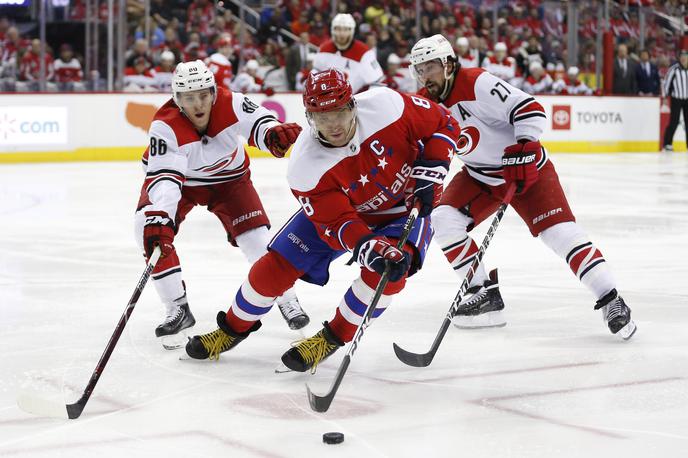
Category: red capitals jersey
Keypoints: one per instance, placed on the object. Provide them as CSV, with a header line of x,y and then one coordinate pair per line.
x,y
346,190
30,67
178,155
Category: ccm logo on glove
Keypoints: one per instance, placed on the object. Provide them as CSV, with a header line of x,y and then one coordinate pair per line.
x,y
434,174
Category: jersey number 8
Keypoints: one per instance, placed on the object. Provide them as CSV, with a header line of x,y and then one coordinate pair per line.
x,y
157,146
306,205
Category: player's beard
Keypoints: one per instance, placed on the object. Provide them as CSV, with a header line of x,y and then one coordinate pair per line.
x,y
434,89
440,92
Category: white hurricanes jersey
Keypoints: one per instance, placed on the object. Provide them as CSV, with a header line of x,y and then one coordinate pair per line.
x,y
493,115
358,61
178,155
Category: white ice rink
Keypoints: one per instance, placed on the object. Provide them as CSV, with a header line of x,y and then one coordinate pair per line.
x,y
552,383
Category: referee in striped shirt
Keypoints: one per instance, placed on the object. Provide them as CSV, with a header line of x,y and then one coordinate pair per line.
x,y
676,87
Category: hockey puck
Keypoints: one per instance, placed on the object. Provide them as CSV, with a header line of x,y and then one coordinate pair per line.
x,y
333,438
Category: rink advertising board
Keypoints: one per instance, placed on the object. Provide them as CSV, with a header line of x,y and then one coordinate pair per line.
x,y
69,127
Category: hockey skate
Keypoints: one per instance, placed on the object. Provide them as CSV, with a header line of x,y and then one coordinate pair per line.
x,y
617,315
292,312
172,331
308,353
482,307
210,345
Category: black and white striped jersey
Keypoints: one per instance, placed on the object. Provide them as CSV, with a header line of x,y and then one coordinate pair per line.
x,y
676,82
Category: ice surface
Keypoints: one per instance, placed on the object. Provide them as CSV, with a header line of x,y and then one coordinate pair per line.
x,y
553,382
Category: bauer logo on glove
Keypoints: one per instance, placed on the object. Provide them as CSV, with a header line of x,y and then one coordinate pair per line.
x,y
518,160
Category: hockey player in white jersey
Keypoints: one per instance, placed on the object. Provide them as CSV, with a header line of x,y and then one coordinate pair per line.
x,y
499,146
349,55
195,157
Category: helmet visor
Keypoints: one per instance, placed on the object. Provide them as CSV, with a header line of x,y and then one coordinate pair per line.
x,y
427,70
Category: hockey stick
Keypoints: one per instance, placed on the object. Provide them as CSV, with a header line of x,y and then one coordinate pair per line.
x,y
322,403
43,407
424,359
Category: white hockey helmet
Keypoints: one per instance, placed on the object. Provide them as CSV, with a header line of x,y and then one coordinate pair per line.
x,y
167,56
427,49
393,59
252,64
192,76
462,42
500,47
573,71
343,20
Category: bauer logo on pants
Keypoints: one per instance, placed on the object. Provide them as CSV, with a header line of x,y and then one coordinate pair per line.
x,y
561,117
245,217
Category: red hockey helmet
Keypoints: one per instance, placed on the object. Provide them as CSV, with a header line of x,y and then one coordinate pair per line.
x,y
326,91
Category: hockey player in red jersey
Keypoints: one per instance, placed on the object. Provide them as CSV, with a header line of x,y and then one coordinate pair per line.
x,y
499,145
351,172
196,158
351,56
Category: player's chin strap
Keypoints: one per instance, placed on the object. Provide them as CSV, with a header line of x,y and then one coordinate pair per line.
x,y
448,82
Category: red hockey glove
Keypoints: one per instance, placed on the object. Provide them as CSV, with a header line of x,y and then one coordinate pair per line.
x,y
427,183
374,251
279,138
269,91
158,229
519,165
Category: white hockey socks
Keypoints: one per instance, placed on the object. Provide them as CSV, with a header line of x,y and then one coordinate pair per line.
x,y
586,262
459,249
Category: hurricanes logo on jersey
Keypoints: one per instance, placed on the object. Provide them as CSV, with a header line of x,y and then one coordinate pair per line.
x,y
468,140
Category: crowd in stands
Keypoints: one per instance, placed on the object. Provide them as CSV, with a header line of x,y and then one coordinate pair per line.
x,y
525,46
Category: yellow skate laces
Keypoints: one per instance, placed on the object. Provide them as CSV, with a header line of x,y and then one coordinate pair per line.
x,y
216,342
314,349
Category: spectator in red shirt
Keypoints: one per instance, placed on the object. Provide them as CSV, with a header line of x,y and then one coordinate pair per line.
x,y
30,66
301,24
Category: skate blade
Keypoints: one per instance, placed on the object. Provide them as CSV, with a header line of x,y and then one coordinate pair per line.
x,y
175,341
627,331
486,320
282,369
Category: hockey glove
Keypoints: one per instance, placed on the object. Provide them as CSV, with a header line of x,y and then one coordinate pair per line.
x,y
519,164
427,184
158,229
374,251
279,138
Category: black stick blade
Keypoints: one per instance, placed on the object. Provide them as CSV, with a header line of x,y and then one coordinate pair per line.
x,y
74,410
319,403
423,359
414,359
